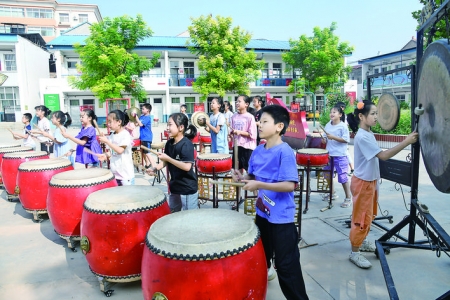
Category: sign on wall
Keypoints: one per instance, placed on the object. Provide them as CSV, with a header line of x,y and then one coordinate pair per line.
x,y
52,101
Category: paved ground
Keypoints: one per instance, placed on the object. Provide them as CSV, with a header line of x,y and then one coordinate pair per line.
x,y
36,263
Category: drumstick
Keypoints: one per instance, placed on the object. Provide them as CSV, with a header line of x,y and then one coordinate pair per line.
x,y
96,127
323,129
91,152
235,152
151,150
239,184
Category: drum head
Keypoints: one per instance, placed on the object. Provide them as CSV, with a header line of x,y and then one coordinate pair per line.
x,y
434,124
203,233
15,149
24,154
213,156
124,199
82,177
312,151
9,145
45,164
388,111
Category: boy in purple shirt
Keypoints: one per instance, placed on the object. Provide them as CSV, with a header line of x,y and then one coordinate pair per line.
x,y
273,172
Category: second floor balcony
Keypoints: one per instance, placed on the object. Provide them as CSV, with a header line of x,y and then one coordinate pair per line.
x,y
182,80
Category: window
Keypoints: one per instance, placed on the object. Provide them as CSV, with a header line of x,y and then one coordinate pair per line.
x,y
189,101
265,71
376,71
276,70
384,69
39,13
44,31
10,62
6,11
83,18
401,97
71,64
9,99
188,69
64,18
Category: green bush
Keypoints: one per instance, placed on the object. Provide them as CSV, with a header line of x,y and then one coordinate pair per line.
x,y
403,126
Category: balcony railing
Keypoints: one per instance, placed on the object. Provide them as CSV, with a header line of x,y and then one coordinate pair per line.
x,y
389,81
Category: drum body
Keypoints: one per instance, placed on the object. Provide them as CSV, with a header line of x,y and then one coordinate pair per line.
x,y
114,225
11,149
222,163
191,255
196,138
66,195
11,163
136,143
32,181
315,157
205,138
314,140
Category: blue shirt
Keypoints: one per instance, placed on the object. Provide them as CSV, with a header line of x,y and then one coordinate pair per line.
x,y
145,131
276,164
219,141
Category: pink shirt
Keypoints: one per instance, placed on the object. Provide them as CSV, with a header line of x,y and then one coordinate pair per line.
x,y
245,122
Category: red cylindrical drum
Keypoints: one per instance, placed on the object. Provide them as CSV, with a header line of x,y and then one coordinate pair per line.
x,y
32,182
136,143
315,157
196,138
314,140
205,138
204,254
66,195
10,166
114,224
222,163
11,149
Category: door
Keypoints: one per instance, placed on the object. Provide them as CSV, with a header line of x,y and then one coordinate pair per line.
x,y
157,109
74,112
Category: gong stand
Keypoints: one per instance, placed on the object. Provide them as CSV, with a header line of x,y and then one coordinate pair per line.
x,y
408,174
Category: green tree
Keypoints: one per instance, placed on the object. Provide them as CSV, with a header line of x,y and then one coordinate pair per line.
x,y
320,58
109,66
440,30
224,63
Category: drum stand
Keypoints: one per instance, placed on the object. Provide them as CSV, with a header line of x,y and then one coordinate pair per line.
x,y
105,286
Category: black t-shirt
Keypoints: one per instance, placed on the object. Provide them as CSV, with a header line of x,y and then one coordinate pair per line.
x,y
257,118
181,182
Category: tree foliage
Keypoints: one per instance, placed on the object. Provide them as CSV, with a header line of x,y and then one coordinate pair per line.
x,y
109,66
320,58
440,30
224,63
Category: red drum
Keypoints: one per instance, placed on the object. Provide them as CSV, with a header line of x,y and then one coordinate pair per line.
x,y
11,149
315,157
114,224
9,145
192,255
10,166
314,140
205,138
66,195
196,138
136,143
32,183
222,163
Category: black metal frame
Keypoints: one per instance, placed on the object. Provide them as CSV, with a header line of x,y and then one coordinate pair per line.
x,y
437,239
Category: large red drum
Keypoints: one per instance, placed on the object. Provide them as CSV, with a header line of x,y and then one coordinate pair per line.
x,y
192,255
314,140
10,166
66,195
221,163
315,157
32,183
13,148
205,138
114,224
136,143
196,138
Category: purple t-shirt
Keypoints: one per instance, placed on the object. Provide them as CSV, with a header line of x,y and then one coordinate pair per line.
x,y
92,144
276,164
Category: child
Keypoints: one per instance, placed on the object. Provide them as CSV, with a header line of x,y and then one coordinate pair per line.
x,y
62,147
145,132
44,126
338,138
178,156
86,138
258,103
120,143
364,181
216,125
183,109
26,135
273,172
344,119
228,112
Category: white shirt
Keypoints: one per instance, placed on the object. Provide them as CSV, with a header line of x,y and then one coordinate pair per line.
x,y
43,125
122,164
336,148
367,166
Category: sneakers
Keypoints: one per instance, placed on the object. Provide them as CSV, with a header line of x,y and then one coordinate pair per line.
x,y
326,197
347,203
271,274
367,247
358,259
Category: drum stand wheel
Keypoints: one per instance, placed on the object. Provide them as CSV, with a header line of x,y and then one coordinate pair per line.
x,y
72,241
105,286
37,214
12,197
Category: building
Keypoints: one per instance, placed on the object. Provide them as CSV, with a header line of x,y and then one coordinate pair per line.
x,y
46,17
23,61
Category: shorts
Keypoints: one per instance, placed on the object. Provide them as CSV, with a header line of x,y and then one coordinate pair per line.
x,y
243,157
146,144
179,202
341,167
47,148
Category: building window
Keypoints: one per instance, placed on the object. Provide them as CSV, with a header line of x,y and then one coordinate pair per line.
x,y
376,71
175,107
6,11
39,13
188,69
10,62
401,97
265,71
83,18
64,18
384,69
44,31
189,101
9,99
276,70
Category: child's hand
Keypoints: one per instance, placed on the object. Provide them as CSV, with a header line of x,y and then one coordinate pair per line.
x,y
151,171
250,185
412,137
102,157
163,156
236,175
103,139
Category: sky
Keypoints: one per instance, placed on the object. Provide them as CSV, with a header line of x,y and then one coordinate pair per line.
x,y
372,27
